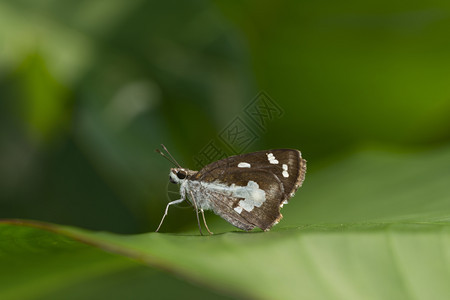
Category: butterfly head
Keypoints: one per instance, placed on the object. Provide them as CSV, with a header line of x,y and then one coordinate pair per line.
x,y
178,175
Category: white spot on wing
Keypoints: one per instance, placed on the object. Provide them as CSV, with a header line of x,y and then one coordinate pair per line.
x,y
251,194
285,172
272,158
244,165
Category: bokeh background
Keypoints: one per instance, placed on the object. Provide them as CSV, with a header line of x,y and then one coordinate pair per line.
x,y
89,89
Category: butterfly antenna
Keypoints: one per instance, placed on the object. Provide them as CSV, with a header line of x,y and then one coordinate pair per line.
x,y
173,159
165,156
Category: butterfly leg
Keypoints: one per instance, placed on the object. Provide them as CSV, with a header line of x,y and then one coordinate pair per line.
x,y
204,221
196,212
167,209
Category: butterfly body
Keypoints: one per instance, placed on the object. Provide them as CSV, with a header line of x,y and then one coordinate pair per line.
x,y
246,190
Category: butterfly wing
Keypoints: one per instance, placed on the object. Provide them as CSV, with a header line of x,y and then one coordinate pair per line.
x,y
247,190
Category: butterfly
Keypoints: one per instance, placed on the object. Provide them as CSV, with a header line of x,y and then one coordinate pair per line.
x,y
246,190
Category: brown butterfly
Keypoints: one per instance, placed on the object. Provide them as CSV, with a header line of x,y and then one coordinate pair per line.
x,y
246,190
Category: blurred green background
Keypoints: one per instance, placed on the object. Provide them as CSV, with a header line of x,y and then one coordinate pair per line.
x,y
89,89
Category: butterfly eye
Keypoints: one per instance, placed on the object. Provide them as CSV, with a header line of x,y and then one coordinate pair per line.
x,y
181,175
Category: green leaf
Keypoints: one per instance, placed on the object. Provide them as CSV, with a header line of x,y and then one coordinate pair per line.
x,y
378,229
39,264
